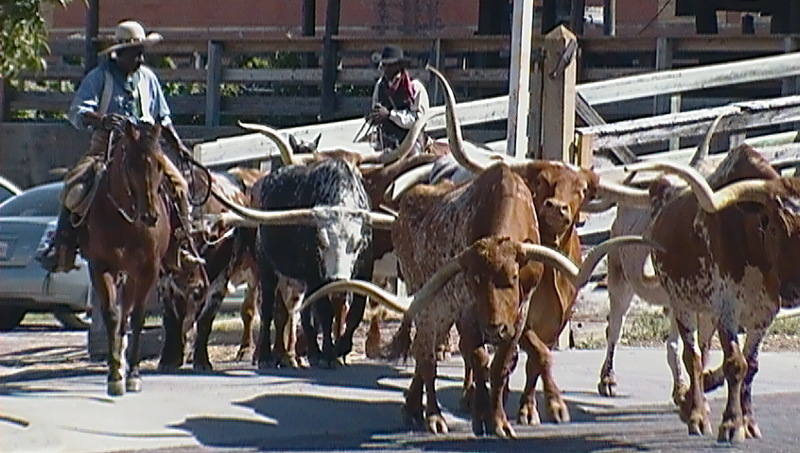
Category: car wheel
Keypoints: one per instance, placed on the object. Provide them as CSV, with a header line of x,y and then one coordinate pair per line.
x,y
10,317
80,320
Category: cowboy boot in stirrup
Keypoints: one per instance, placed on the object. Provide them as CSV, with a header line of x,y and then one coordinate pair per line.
x,y
60,255
187,253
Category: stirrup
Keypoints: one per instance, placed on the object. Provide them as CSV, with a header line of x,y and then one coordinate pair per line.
x,y
188,257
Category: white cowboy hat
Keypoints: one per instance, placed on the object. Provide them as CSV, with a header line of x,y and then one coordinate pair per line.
x,y
131,33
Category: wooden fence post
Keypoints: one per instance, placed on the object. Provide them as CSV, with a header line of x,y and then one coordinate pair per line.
x,y
558,94
436,60
666,103
519,79
330,61
213,82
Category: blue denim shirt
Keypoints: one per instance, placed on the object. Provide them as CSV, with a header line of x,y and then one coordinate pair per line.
x,y
124,95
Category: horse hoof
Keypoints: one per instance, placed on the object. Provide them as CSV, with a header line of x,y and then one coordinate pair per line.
x,y
115,388
133,385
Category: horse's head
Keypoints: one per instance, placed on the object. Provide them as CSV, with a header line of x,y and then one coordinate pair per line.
x,y
143,168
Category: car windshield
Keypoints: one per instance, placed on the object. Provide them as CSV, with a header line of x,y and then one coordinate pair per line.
x,y
41,202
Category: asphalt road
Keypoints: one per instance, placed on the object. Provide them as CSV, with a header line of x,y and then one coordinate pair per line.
x,y
355,408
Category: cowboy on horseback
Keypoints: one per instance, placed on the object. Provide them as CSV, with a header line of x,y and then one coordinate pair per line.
x,y
397,101
119,90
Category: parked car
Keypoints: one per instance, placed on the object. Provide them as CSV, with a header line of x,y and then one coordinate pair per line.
x,y
27,225
8,189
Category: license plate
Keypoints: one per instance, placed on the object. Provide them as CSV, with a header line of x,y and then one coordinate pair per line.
x,y
4,250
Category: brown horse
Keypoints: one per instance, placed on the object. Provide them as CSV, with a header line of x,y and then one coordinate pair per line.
x,y
126,236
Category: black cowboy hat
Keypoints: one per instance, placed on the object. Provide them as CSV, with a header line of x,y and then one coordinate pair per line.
x,y
389,55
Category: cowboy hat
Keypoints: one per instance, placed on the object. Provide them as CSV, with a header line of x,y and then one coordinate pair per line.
x,y
129,34
389,55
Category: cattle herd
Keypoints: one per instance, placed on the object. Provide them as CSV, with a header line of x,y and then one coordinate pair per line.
x,y
493,250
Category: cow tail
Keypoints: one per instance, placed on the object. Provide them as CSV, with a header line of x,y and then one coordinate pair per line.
x,y
400,345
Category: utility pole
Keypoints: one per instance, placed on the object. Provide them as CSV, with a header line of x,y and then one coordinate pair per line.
x,y
330,59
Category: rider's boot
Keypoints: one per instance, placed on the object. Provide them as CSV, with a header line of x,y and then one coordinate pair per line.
x,y
188,255
60,254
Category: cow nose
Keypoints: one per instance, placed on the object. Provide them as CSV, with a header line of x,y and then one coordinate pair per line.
x,y
554,204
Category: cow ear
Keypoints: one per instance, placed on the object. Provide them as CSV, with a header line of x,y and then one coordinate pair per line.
x,y
293,143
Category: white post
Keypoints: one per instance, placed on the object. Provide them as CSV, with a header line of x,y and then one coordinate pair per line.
x,y
519,78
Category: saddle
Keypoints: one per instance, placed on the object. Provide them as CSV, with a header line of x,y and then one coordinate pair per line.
x,y
80,187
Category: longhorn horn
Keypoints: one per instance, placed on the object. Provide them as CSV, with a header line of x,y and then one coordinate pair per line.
x,y
454,138
380,220
287,156
287,217
419,175
410,307
405,147
707,199
702,151
580,275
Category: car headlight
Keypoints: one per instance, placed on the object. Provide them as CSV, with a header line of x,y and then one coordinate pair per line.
x,y
47,236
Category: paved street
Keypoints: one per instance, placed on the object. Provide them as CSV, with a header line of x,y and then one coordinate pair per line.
x,y
358,408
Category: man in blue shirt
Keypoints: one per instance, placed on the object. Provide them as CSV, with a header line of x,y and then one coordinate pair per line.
x,y
119,89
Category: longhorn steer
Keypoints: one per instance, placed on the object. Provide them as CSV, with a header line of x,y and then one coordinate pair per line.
x,y
626,278
732,254
560,191
489,227
378,170
335,244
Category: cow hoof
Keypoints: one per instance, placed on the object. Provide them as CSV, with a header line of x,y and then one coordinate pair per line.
x,y
559,412
289,362
436,424
503,429
202,366
168,368
266,364
607,387
133,384
478,427
242,353
729,432
528,415
115,388
752,428
679,394
699,426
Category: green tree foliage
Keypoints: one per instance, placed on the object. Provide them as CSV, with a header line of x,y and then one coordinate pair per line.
x,y
23,35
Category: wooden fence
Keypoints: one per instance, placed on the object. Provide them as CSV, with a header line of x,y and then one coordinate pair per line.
x,y
477,66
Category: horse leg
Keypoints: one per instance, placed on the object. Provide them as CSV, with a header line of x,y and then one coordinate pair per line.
x,y
103,284
139,294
